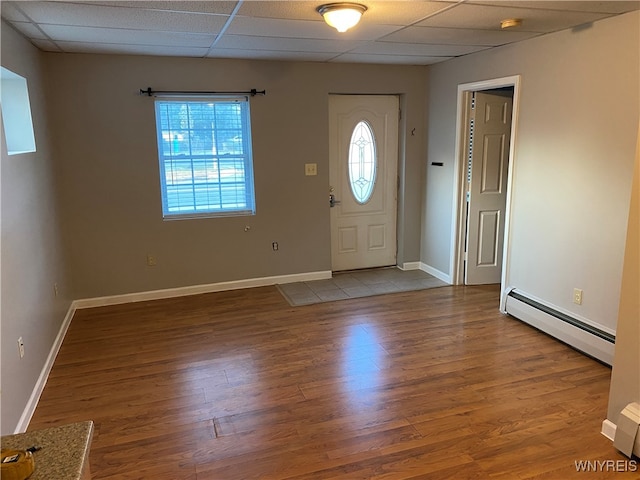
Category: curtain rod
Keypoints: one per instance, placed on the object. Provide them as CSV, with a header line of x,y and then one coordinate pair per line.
x,y
253,92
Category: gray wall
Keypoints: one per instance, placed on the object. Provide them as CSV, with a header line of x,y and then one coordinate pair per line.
x,y
574,154
31,252
105,147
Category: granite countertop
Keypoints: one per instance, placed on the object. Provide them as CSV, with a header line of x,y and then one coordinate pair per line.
x,y
65,450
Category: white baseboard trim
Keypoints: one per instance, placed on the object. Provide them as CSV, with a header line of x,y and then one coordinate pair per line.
x,y
409,266
30,408
608,429
445,277
198,289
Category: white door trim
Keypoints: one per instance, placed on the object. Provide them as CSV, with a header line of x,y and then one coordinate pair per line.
x,y
456,266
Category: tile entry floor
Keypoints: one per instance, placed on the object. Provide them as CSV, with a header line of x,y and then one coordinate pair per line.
x,y
358,283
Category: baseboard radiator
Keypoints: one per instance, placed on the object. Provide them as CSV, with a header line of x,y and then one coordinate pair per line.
x,y
574,332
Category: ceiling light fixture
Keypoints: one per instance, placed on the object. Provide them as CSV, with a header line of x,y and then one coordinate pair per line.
x,y
341,16
510,23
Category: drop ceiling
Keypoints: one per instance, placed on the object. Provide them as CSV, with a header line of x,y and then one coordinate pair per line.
x,y
398,32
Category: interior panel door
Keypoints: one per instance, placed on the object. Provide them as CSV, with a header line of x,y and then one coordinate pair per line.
x,y
487,187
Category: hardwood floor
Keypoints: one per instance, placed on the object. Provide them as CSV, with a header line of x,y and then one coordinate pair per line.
x,y
434,384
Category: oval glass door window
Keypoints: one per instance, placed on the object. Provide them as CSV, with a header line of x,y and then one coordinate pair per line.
x,y
362,162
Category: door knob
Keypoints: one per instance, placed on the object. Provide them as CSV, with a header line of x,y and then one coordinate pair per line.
x,y
332,200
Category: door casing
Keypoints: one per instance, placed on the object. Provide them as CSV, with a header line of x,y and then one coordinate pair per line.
x,y
459,202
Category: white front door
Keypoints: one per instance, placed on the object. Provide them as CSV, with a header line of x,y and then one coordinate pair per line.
x,y
487,188
363,166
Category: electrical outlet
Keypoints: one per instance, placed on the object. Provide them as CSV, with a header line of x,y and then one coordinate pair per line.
x,y
577,296
55,289
310,169
21,347
151,260
274,245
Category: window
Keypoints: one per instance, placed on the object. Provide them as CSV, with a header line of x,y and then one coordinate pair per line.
x,y
206,166
362,162
16,113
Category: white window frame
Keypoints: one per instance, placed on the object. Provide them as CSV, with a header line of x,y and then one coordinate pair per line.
x,y
16,113
205,183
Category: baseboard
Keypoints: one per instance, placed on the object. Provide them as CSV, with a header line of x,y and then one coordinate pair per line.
x,y
445,277
608,429
30,408
199,289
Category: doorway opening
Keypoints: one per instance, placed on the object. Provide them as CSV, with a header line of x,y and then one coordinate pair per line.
x,y
485,139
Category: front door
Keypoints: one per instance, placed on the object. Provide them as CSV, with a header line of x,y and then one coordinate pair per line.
x,y
487,185
363,166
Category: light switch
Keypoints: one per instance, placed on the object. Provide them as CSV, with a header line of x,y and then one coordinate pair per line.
x,y
310,169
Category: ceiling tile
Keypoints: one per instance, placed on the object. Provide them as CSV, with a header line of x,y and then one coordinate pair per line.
x,y
46,45
394,48
571,5
402,13
457,36
486,17
279,9
284,44
29,30
120,17
79,47
11,13
126,37
216,6
389,59
274,27
271,55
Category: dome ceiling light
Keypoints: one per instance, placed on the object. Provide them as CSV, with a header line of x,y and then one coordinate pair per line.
x,y
341,16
